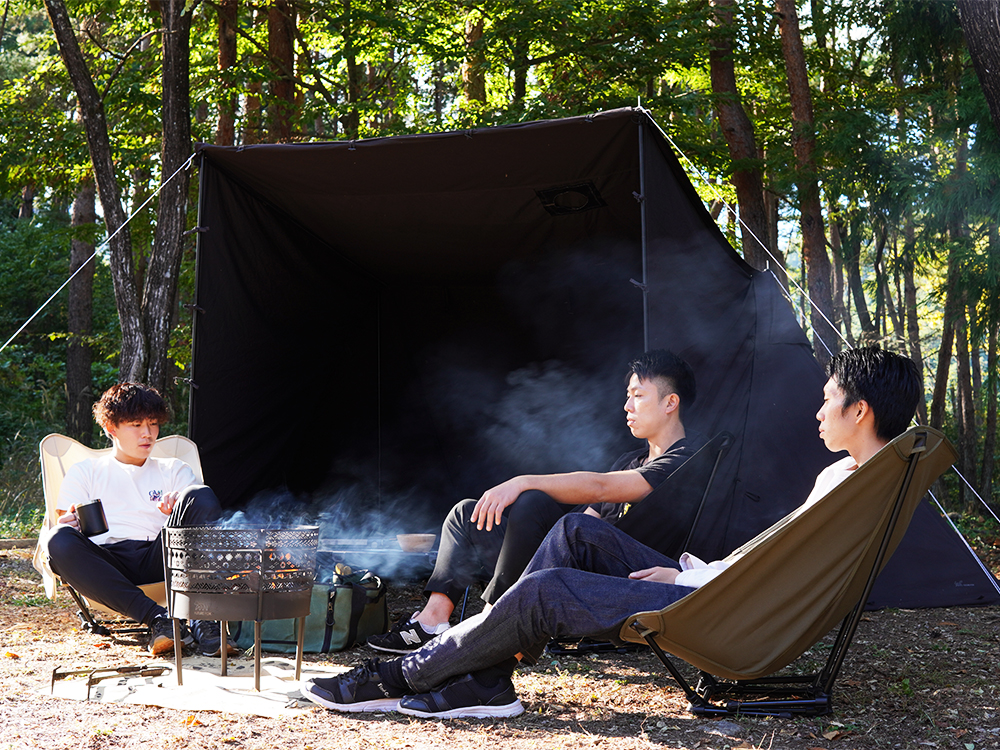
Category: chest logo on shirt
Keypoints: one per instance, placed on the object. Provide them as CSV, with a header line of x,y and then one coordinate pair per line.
x,y
155,496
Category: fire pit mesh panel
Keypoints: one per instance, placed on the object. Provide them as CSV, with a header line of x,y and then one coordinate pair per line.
x,y
208,560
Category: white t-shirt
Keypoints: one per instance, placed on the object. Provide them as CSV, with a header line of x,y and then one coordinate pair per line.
x,y
696,573
128,493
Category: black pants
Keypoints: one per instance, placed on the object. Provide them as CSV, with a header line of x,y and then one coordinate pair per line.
x,y
111,573
468,555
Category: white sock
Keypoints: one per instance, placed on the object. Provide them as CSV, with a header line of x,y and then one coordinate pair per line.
x,y
436,630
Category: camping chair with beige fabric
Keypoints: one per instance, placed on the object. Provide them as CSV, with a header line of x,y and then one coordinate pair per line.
x,y
789,586
56,454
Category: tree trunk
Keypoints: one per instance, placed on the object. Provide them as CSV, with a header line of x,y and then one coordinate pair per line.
x,y
26,209
520,73
280,35
132,362
910,304
981,26
990,428
773,217
474,67
841,318
79,385
966,409
817,261
738,132
253,128
353,124
953,302
975,356
142,224
228,12
440,94
852,262
164,265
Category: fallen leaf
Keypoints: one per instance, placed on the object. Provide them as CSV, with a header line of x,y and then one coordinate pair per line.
x,y
102,645
834,735
12,655
192,721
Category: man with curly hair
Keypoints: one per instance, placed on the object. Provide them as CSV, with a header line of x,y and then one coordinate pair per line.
x,y
139,494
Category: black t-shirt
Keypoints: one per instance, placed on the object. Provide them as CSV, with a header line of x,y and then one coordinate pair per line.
x,y
655,472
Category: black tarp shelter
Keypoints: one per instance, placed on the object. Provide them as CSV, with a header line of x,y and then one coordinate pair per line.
x,y
387,326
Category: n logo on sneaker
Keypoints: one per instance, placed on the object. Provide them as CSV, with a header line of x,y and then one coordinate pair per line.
x,y
410,637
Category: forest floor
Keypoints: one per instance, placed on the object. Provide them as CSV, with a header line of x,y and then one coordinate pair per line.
x,y
913,679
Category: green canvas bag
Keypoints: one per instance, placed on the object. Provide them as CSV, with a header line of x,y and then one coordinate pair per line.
x,y
341,613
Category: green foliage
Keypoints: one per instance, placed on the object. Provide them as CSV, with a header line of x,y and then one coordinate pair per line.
x,y
33,263
907,155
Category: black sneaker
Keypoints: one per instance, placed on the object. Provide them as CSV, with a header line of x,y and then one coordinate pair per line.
x,y
464,697
161,636
405,636
208,634
361,689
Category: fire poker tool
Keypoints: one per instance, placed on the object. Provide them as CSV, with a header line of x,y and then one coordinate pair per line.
x,y
95,676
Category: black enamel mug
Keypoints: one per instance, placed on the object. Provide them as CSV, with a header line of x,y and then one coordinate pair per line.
x,y
90,515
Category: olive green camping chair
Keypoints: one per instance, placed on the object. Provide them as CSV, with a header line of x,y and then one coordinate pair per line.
x,y
56,454
789,586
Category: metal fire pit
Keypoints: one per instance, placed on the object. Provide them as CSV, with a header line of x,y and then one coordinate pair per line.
x,y
229,574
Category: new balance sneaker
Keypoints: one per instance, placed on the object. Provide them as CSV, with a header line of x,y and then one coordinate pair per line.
x,y
405,636
161,636
208,634
361,689
464,697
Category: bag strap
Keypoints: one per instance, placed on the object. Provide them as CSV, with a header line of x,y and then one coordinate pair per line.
x,y
359,599
331,619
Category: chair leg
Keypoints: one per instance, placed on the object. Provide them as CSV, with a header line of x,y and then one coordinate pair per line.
x,y
87,619
178,651
805,699
300,648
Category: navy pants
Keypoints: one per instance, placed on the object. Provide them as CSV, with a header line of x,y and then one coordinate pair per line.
x,y
111,573
576,585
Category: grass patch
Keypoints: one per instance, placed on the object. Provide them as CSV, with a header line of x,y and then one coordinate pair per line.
x,y
22,503
21,524
30,600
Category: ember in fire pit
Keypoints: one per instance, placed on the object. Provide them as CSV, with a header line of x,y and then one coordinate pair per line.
x,y
229,574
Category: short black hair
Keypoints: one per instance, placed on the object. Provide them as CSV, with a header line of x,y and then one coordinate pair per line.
x,y
128,402
663,365
888,382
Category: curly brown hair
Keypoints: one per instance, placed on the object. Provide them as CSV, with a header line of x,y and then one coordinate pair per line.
x,y
128,402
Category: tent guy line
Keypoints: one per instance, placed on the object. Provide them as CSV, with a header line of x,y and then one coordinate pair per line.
x,y
787,296
97,250
766,249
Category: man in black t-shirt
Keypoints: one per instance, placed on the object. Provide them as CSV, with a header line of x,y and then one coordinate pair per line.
x,y
493,538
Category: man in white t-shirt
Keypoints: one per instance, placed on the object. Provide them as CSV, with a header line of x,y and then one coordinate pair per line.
x,y
139,494
588,577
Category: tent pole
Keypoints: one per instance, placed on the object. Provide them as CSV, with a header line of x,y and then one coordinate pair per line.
x,y
194,307
642,215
